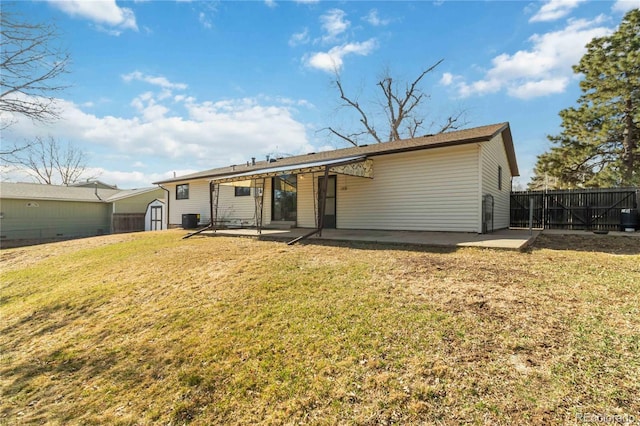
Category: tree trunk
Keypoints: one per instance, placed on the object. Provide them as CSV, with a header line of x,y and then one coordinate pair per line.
x,y
628,143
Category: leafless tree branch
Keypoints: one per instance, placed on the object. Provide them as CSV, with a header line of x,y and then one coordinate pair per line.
x,y
400,108
364,119
454,122
30,64
351,138
8,155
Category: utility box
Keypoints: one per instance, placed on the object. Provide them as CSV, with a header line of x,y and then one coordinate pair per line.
x,y
190,220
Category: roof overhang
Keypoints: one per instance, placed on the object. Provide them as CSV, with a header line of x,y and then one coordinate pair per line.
x,y
507,140
353,166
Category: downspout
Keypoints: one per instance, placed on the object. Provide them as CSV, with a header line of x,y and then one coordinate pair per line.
x,y
112,227
113,207
95,191
168,201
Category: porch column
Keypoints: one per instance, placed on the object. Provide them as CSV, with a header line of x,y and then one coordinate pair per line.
x,y
258,194
323,200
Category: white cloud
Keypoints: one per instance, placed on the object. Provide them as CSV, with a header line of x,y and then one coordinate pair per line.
x,y
375,20
148,107
624,6
204,20
332,60
299,38
307,1
156,81
532,89
334,24
211,134
544,69
270,3
295,102
555,9
101,12
447,79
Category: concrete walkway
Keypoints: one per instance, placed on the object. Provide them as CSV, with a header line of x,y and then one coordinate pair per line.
x,y
503,239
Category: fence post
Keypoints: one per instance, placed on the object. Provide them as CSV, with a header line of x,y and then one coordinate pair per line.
x,y
530,215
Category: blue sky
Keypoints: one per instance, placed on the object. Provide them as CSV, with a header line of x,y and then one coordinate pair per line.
x,y
157,87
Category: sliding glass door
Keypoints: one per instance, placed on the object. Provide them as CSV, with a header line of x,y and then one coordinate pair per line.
x,y
284,198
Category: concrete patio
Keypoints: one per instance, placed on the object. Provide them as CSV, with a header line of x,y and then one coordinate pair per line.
x,y
503,239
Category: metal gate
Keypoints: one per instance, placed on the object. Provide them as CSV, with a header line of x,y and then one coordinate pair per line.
x,y
578,209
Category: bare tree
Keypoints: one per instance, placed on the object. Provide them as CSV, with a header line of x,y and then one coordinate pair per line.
x,y
401,110
30,64
50,162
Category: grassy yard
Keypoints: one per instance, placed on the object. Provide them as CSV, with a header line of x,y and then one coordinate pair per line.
x,y
151,329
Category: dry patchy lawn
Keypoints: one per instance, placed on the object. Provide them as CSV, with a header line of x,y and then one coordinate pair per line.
x,y
151,329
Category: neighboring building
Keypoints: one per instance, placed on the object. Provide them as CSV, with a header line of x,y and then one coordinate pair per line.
x,y
36,211
456,181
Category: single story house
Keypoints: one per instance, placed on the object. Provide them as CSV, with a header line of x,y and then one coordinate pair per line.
x,y
37,211
458,181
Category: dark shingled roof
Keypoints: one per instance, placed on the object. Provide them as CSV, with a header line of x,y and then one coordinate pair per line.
x,y
458,137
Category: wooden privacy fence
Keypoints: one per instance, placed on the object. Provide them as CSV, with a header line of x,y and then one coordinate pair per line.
x,y
127,222
587,209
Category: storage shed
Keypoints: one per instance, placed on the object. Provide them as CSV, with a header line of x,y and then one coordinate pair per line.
x,y
154,218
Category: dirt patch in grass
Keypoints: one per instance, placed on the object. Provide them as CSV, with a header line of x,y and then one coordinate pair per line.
x,y
151,329
589,242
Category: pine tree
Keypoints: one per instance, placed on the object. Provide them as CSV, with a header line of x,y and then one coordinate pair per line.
x,y
598,145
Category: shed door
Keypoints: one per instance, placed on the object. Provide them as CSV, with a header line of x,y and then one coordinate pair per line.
x,y
156,218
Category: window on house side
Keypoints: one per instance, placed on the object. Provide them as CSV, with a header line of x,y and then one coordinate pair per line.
x,y
182,192
500,178
242,191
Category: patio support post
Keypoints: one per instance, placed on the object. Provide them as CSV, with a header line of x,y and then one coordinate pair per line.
x,y
214,191
211,203
314,193
323,200
258,193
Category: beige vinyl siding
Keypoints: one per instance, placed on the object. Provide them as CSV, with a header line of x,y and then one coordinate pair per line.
x,y
236,210
493,155
51,219
306,205
197,203
230,208
430,190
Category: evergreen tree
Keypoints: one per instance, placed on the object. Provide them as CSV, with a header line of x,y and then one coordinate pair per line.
x,y
598,145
